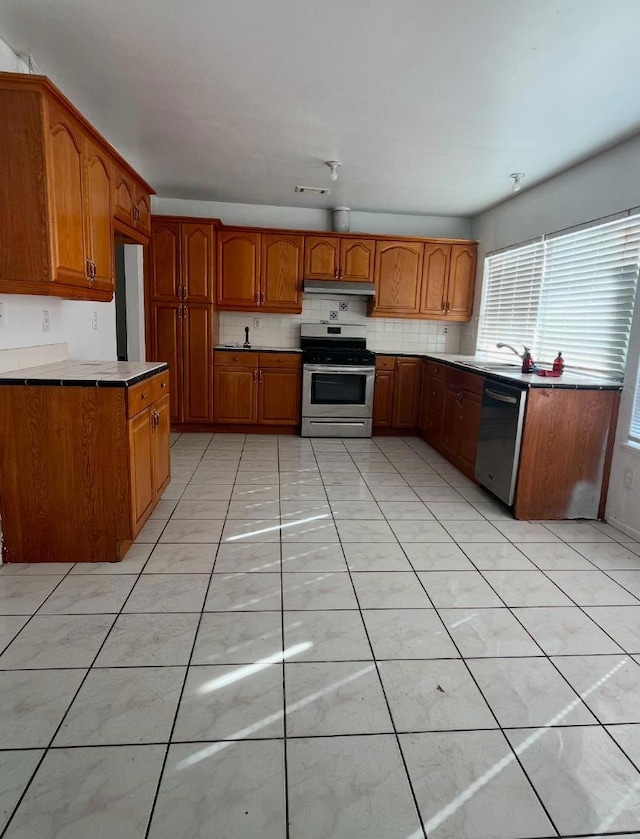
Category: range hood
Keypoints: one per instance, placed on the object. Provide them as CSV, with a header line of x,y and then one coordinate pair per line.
x,y
338,287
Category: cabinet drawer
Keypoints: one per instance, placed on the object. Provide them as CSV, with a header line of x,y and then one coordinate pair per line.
x,y
435,394
277,361
145,393
385,362
236,359
454,377
474,383
435,371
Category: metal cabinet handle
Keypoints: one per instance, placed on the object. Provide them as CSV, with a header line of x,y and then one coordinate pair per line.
x,y
143,396
262,297
335,273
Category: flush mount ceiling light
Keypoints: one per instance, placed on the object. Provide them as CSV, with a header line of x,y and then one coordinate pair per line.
x,y
517,180
334,165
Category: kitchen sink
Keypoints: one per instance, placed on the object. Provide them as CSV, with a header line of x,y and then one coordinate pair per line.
x,y
493,365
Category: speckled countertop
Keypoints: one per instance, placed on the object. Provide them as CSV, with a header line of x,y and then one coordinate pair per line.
x,y
84,373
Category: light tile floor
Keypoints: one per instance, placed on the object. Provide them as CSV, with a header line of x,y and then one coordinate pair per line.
x,y
316,639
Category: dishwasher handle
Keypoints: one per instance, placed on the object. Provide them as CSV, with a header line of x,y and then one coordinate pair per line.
x,y
501,397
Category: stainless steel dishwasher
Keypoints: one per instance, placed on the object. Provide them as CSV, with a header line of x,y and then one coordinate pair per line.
x,y
501,420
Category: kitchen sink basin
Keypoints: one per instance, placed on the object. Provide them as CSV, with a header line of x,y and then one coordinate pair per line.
x,y
493,365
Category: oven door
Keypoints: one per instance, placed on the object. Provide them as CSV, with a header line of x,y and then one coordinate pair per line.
x,y
336,391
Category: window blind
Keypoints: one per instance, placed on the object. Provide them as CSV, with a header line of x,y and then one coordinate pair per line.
x,y
634,430
573,293
511,298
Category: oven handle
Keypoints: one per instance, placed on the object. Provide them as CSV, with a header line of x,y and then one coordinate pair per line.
x,y
331,368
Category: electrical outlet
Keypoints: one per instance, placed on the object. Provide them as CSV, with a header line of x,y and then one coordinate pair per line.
x,y
343,305
94,320
1,315
629,478
45,320
256,323
445,330
333,316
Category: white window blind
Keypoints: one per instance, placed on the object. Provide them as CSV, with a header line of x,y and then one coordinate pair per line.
x,y
579,300
634,430
511,298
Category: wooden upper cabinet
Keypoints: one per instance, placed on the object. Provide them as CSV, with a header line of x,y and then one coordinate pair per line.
x,y
281,272
356,260
238,270
131,203
197,262
398,270
99,236
143,211
125,197
321,257
435,275
406,399
462,276
164,279
61,188
66,192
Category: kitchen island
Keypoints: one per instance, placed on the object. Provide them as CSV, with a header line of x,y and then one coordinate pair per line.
x,y
85,459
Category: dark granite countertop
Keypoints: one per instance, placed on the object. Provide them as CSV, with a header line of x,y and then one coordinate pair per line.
x,y
514,376
252,348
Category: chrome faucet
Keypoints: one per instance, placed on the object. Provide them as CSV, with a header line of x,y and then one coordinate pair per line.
x,y
513,349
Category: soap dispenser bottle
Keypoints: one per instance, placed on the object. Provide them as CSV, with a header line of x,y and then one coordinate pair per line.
x,y
527,361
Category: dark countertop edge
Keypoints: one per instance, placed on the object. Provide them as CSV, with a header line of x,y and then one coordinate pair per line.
x,y
493,374
258,349
87,382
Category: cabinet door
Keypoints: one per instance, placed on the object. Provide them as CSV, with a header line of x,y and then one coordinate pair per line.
x,y
66,193
435,272
164,268
166,345
356,260
321,257
141,467
470,409
235,396
238,270
160,439
423,410
197,363
197,262
125,197
462,277
398,270
281,278
99,227
143,211
279,397
383,398
406,392
451,422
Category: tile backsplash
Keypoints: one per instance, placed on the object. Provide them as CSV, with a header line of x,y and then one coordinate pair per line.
x,y
383,334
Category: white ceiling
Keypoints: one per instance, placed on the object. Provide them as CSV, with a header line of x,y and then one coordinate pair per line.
x,y
429,104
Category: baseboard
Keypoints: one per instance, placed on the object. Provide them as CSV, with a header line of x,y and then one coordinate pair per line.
x,y
223,428
625,528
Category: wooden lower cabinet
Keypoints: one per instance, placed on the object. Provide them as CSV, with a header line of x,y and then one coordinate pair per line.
x,y
450,413
257,388
82,469
278,397
396,397
235,395
383,399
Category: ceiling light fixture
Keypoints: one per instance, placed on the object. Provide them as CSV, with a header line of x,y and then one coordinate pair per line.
x,y
517,180
334,165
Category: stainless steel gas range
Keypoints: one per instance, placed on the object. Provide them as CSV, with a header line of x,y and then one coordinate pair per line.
x,y
338,374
